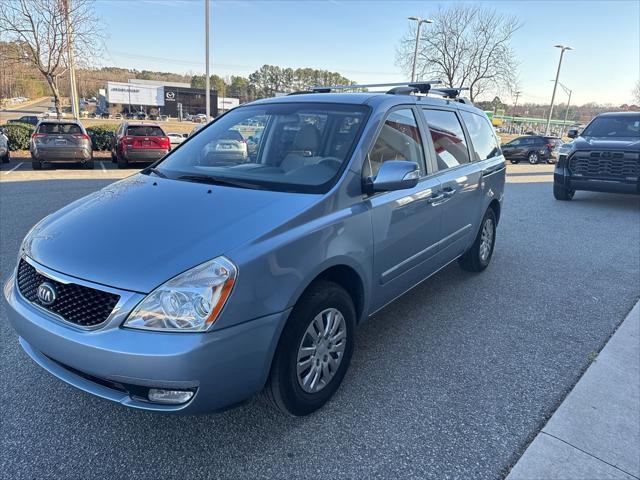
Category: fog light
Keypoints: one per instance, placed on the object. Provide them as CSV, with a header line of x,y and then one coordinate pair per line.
x,y
160,395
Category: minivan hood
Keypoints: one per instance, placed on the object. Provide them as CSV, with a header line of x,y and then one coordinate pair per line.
x,y
607,143
140,232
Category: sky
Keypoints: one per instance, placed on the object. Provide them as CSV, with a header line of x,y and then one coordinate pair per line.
x,y
359,40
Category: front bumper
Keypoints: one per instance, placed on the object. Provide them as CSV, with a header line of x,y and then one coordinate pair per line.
x,y
562,176
223,367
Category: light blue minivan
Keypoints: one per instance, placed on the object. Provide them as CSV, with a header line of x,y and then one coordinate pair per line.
x,y
209,277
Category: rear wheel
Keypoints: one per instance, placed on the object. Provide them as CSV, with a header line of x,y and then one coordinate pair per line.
x,y
515,161
122,162
36,164
88,165
560,192
6,157
533,158
314,350
479,255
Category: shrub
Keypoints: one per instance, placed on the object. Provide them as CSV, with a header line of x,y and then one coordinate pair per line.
x,y
19,135
101,136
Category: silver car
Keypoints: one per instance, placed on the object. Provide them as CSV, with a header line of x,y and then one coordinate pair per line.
x,y
5,153
240,275
60,141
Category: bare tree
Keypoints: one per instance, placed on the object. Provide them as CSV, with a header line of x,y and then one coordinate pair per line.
x,y
41,32
636,93
467,45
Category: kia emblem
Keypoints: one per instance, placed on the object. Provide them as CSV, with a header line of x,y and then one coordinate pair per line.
x,y
47,293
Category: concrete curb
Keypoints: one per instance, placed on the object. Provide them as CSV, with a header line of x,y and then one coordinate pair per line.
x,y
595,433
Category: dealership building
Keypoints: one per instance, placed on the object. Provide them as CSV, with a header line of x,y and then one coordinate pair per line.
x,y
161,98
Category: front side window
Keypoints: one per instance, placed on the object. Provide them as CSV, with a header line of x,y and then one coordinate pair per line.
x,y
614,126
299,147
481,132
399,139
448,138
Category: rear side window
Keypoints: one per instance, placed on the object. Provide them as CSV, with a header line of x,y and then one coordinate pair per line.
x,y
399,139
448,138
481,132
59,128
144,131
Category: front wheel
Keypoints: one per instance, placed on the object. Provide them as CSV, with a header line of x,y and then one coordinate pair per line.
x,y
533,158
560,192
477,258
314,350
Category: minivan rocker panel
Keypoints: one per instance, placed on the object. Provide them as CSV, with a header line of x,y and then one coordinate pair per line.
x,y
307,265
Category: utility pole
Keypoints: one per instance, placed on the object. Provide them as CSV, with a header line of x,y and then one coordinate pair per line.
x,y
555,85
207,81
73,91
415,51
517,94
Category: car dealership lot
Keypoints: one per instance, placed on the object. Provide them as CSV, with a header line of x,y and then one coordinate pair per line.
x,y
452,380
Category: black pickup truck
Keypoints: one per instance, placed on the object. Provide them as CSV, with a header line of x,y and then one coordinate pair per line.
x,y
604,157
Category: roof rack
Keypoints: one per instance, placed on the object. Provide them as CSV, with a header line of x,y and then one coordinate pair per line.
x,y
421,86
452,93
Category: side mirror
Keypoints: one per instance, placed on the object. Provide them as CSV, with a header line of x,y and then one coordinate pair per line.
x,y
394,175
573,133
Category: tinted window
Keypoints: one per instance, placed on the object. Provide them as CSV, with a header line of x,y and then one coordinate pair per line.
x,y
399,139
448,138
59,128
484,140
145,131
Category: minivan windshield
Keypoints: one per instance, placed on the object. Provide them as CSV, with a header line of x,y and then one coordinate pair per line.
x,y
614,126
300,147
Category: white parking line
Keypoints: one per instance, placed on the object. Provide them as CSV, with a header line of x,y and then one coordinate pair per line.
x,y
14,168
104,169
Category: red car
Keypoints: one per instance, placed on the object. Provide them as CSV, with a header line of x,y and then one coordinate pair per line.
x,y
139,142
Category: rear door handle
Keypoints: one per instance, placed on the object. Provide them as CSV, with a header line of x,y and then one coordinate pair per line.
x,y
448,192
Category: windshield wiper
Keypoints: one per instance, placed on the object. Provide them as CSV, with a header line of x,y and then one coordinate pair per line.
x,y
218,181
156,171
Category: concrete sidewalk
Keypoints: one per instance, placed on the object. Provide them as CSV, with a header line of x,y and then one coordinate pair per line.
x,y
595,433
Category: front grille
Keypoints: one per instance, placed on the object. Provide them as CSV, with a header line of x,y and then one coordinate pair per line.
x,y
83,306
610,165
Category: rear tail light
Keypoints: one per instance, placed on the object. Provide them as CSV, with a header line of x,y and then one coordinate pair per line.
x,y
82,135
549,146
165,142
38,135
128,140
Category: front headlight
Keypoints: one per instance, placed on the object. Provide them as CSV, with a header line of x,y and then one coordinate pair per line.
x,y
190,302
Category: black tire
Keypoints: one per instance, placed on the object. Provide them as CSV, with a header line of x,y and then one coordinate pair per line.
x,y
515,162
36,165
89,165
6,157
114,159
283,389
560,192
473,260
122,162
533,158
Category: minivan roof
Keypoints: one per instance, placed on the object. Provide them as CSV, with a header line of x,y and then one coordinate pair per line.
x,y
368,98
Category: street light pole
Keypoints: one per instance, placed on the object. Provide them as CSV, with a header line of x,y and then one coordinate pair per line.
x,y
415,51
555,85
207,81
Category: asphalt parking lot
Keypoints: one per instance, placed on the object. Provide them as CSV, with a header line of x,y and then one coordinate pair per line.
x,y
451,381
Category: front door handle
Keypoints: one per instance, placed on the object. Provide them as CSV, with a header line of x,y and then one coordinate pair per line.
x,y
436,198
